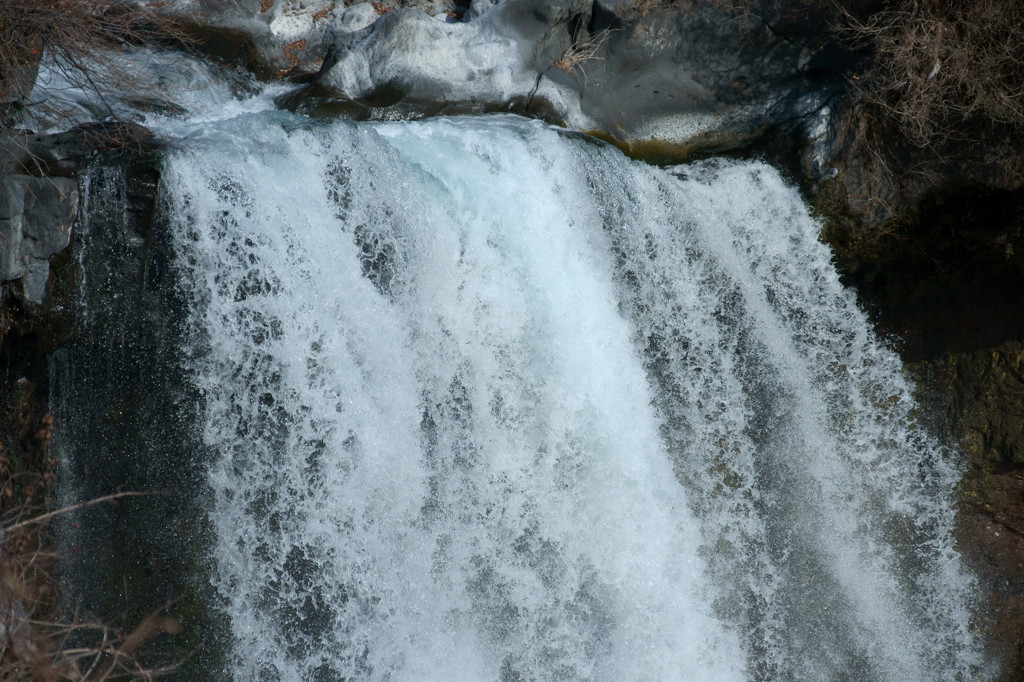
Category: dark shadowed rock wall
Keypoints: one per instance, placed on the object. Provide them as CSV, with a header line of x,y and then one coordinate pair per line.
x,y
126,418
944,283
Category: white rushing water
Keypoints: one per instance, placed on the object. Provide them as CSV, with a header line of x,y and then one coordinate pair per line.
x,y
493,402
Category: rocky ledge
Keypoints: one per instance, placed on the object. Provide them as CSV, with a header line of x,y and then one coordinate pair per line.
x,y
660,81
39,196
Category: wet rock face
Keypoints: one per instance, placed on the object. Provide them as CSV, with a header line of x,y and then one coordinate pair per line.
x,y
986,403
991,536
126,414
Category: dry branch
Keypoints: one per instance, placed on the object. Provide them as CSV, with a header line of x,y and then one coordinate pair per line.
x,y
80,38
940,67
580,53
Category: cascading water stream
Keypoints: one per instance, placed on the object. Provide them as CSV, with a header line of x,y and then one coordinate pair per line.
x,y
491,401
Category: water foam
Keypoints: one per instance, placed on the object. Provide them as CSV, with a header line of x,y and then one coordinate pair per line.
x,y
494,402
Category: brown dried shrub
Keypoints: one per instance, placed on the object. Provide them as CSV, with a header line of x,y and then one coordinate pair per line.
x,y
940,68
36,642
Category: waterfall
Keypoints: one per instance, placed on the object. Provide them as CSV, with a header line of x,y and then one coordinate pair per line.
x,y
489,401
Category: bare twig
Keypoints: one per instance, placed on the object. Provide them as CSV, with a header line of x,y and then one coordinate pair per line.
x,y
81,39
938,65
581,52
43,518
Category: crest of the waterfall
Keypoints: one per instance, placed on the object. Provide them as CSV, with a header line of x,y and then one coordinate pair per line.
x,y
493,402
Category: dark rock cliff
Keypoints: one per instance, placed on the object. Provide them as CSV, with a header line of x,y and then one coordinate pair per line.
x,y
942,277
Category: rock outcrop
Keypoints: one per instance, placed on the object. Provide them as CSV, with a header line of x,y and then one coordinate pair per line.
x,y
937,258
39,196
36,215
660,81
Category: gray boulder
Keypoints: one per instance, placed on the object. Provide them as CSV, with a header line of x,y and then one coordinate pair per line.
x,y
697,75
411,57
29,237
